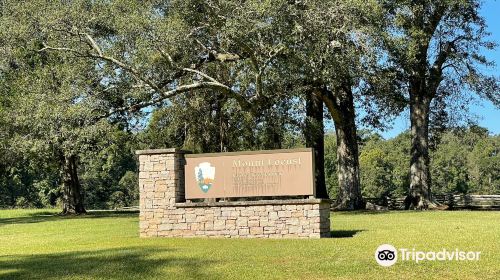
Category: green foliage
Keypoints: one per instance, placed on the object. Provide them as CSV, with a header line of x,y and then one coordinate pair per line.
x,y
376,175
30,176
331,180
465,161
397,152
439,46
484,166
82,78
128,185
449,167
116,200
209,122
108,175
383,165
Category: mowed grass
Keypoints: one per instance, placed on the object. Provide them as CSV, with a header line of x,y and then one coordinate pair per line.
x,y
36,244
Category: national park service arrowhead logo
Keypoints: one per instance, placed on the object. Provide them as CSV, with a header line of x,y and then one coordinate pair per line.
x,y
205,175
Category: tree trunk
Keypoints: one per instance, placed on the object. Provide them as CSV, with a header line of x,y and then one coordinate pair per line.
x,y
420,179
72,196
315,138
341,107
348,167
273,130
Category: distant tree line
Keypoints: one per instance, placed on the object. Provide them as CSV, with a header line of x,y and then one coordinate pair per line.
x,y
464,161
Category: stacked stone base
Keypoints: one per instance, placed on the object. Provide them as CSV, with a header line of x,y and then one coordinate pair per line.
x,y
251,219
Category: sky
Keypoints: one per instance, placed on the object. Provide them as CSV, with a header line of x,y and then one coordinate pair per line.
x,y
488,115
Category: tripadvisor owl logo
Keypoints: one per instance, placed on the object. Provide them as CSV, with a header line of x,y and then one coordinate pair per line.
x,y
387,255
205,175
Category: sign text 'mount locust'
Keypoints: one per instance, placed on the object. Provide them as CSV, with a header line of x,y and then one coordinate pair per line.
x,y
250,174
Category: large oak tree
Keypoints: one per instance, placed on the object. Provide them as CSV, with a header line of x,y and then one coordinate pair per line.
x,y
438,48
151,51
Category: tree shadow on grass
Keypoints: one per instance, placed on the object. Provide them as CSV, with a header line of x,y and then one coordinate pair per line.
x,y
344,233
122,263
46,216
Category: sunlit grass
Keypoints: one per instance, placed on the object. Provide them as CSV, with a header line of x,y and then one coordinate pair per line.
x,y
37,244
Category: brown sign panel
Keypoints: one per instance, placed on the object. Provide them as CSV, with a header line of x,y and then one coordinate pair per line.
x,y
247,174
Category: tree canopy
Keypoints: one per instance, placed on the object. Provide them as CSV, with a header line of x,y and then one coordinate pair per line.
x,y
83,83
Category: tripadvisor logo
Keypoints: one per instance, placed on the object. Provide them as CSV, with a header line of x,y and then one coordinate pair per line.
x,y
387,255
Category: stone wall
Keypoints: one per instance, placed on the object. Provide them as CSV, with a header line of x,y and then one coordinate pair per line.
x,y
164,212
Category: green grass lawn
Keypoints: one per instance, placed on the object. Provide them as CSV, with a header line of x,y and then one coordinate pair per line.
x,y
35,244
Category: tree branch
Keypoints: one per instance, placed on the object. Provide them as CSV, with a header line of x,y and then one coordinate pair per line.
x,y
436,71
434,20
178,90
213,83
92,43
47,48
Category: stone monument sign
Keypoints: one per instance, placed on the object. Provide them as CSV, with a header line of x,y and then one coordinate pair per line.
x,y
173,186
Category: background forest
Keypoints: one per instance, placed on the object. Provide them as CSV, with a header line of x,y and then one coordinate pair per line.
x,y
464,160
83,84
